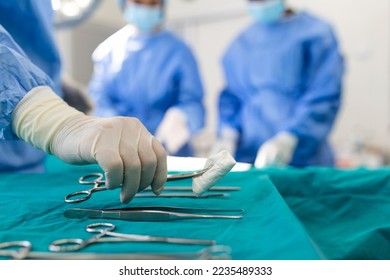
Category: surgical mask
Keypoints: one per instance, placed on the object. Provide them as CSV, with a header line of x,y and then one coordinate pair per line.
x,y
144,17
267,12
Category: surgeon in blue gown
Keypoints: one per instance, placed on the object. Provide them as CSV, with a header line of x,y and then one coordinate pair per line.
x,y
283,89
30,23
145,71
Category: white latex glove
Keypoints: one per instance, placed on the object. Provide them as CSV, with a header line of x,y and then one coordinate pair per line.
x,y
278,151
173,131
227,141
130,156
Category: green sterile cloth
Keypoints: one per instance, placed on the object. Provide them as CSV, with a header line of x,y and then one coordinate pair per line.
x,y
347,213
32,206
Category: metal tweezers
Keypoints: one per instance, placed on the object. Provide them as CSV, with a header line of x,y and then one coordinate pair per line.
x,y
189,189
151,213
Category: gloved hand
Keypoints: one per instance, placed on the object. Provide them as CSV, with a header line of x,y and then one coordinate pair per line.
x,y
227,141
130,156
278,151
173,131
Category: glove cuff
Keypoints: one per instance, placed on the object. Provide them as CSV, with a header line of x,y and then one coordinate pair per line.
x,y
40,115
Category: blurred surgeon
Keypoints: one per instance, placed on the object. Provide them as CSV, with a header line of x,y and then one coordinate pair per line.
x,y
145,71
283,89
30,110
30,24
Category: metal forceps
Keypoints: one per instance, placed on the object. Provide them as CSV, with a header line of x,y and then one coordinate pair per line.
x,y
19,250
106,229
96,179
152,213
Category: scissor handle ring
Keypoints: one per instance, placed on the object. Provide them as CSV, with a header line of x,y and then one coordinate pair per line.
x,y
91,179
67,245
19,254
103,227
24,244
85,196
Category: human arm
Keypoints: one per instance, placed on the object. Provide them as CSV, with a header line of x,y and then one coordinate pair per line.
x,y
130,156
318,103
229,110
187,116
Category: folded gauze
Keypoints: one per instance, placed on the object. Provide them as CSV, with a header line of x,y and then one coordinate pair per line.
x,y
220,164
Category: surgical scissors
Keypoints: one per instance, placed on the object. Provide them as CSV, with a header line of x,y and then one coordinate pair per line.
x,y
96,179
19,250
106,229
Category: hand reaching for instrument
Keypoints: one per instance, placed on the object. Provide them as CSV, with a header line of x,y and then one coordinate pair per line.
x,y
130,156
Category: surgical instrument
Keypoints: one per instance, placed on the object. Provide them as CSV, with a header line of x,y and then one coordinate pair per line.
x,y
183,195
22,250
107,229
188,188
96,179
178,209
151,214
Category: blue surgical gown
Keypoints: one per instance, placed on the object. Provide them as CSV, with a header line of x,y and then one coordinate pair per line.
x,y
30,24
18,76
285,76
142,76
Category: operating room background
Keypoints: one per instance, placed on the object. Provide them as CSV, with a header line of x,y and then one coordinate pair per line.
x,y
361,135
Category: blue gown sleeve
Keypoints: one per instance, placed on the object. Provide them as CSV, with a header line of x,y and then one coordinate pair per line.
x,y
318,106
38,43
18,76
98,87
229,104
190,92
